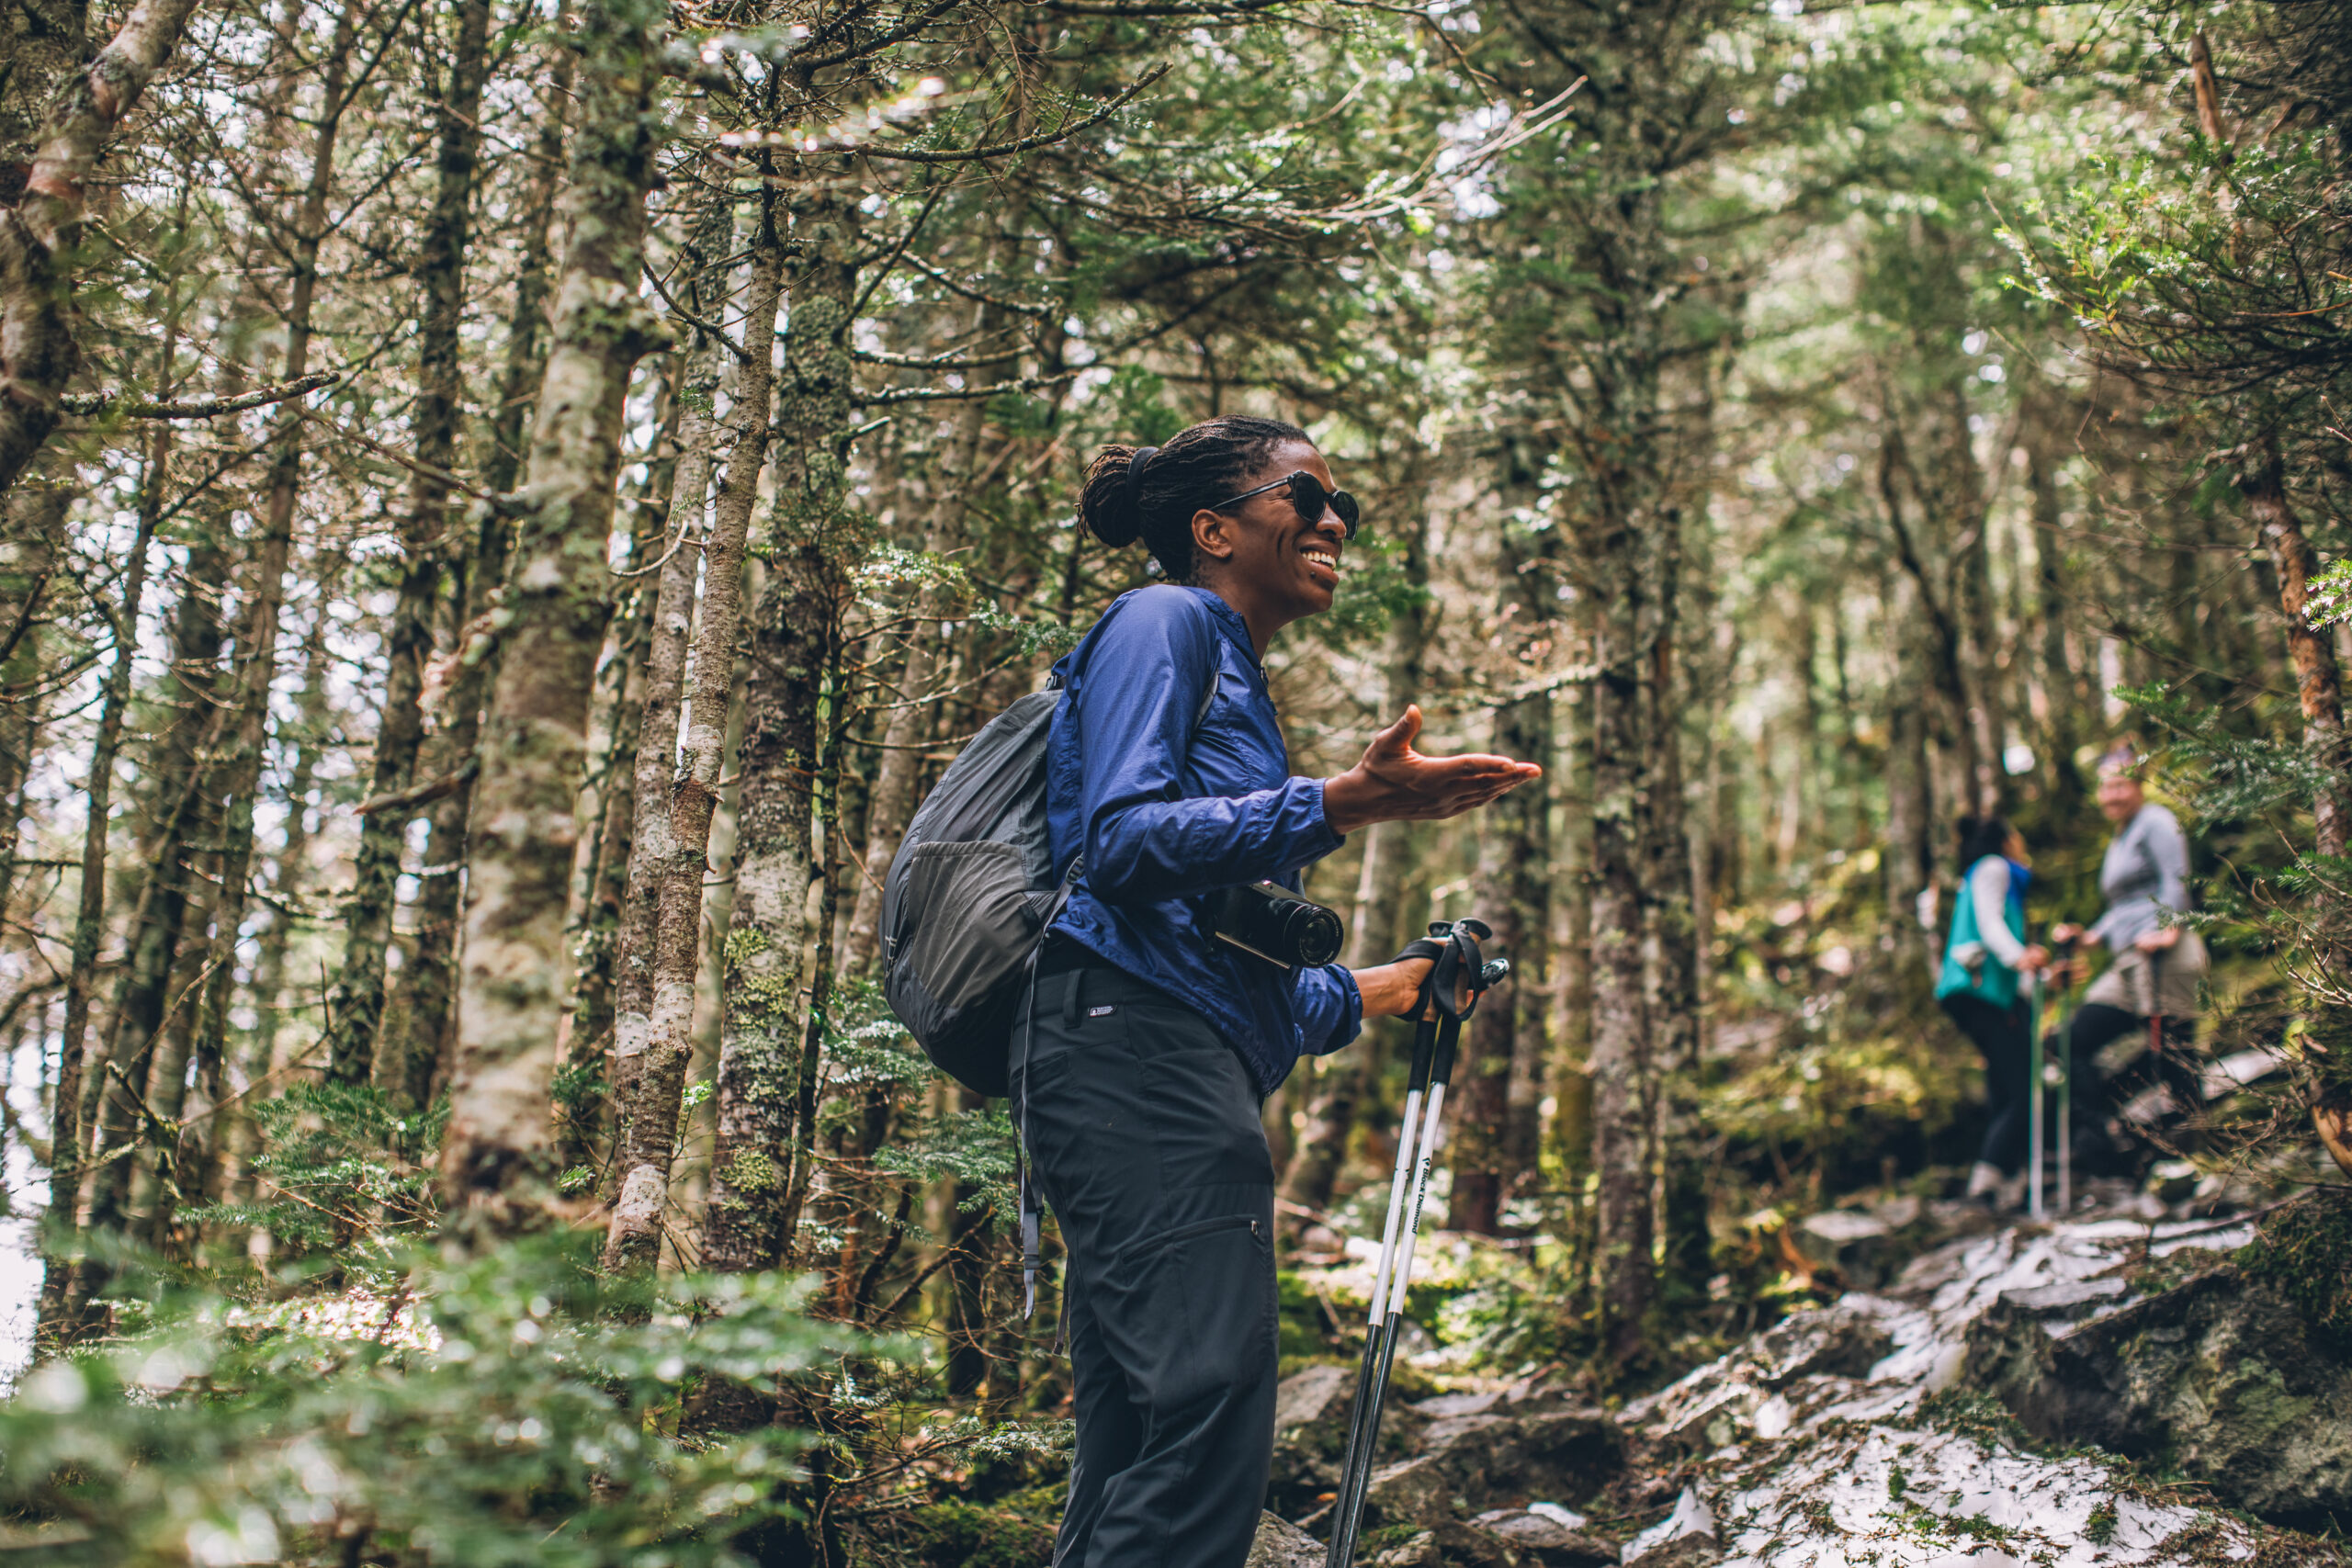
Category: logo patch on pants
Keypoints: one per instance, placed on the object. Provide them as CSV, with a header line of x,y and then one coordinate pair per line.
x,y
1100,1012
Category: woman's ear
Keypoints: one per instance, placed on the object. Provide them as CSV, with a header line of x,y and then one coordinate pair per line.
x,y
1213,534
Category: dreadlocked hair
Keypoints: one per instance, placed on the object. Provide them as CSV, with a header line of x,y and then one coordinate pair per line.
x,y
1200,466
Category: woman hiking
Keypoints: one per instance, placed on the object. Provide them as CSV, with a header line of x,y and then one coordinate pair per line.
x,y
1978,988
1140,1064
2151,989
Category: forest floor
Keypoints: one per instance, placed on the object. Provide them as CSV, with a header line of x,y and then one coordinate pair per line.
x,y
1883,1428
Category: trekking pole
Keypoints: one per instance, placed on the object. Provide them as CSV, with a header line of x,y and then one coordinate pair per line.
x,y
2033,1100
1425,1028
1460,966
2064,1069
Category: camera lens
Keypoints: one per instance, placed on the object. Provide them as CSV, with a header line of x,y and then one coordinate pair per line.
x,y
1314,933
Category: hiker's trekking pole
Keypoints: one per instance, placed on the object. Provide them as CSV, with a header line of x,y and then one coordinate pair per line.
x,y
1416,1085
1459,967
2033,1100
2065,1073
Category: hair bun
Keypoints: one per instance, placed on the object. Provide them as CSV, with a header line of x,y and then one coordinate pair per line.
x,y
1110,506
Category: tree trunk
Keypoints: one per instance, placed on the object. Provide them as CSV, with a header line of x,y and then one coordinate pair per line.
x,y
1910,866
48,41
1514,873
1672,930
40,234
609,807
32,543
1961,484
1621,1061
2318,683
651,850
497,1161
118,1078
2062,685
240,1138
1902,490
767,1067
649,1115
356,1002
65,1139
427,980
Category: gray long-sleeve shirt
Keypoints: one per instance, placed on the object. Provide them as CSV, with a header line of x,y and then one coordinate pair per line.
x,y
2146,874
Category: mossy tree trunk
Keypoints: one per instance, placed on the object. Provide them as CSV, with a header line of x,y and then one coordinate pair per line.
x,y
650,848
498,1154
649,1112
771,1050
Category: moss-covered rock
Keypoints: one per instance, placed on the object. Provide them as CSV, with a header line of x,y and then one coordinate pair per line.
x,y
2223,1378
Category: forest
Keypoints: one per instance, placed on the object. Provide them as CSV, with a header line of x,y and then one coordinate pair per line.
x,y
508,506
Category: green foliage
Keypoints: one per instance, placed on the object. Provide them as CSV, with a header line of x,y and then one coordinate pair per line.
x,y
514,1410
953,1533
345,1160
973,1147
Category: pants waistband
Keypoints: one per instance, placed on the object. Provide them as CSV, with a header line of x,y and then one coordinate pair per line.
x,y
1070,977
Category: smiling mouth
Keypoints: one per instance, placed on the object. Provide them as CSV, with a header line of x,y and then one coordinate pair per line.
x,y
1324,558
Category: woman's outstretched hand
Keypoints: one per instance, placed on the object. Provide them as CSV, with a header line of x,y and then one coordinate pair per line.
x,y
1395,783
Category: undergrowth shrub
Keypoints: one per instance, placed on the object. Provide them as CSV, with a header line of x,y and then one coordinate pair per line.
x,y
514,1410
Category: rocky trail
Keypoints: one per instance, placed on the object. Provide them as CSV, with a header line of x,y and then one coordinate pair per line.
x,y
2120,1387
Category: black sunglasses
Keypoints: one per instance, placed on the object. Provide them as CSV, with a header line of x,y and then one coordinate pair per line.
x,y
1307,494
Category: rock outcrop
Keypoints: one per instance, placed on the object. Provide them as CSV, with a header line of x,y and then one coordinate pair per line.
x,y
2219,1378
1859,1433
1464,1454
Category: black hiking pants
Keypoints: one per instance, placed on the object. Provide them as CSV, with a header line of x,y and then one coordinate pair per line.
x,y
2001,1037
1142,1124
2097,1096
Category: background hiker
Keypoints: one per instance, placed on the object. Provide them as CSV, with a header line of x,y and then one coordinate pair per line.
x,y
1978,988
1152,1044
2149,992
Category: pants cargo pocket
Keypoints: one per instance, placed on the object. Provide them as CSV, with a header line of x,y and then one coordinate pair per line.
x,y
1215,1280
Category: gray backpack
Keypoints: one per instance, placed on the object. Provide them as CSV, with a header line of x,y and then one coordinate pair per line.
x,y
972,893
969,895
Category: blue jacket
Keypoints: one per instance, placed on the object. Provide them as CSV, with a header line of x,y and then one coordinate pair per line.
x,y
1166,815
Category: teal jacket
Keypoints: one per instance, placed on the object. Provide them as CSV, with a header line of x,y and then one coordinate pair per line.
x,y
1987,979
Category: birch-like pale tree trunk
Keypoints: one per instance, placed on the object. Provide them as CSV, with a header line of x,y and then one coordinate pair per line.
x,y
498,1175
650,851
649,1117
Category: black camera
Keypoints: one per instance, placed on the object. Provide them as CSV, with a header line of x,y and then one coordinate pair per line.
x,y
1271,922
